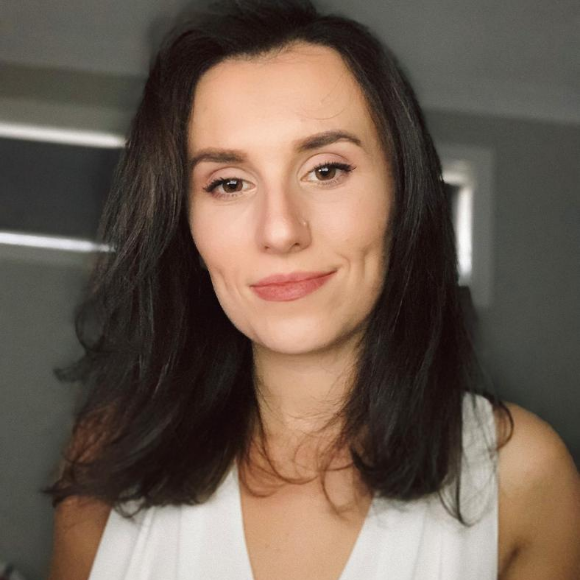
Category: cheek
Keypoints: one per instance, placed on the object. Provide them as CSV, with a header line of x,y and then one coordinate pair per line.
x,y
221,248
193,224
362,226
202,228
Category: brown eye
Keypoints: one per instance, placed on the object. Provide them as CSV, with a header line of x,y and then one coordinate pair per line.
x,y
229,188
326,172
229,185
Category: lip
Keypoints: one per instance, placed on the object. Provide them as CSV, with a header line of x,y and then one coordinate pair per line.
x,y
292,290
286,278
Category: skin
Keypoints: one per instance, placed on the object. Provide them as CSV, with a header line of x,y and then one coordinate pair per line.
x,y
285,220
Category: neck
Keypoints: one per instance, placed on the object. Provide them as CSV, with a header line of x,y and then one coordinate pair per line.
x,y
300,397
299,393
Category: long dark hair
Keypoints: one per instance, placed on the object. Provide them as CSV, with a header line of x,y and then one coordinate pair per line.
x,y
169,398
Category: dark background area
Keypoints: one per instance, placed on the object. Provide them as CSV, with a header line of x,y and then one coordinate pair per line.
x,y
54,189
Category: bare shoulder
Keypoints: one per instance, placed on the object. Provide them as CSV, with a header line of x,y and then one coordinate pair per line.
x,y
539,501
79,524
535,453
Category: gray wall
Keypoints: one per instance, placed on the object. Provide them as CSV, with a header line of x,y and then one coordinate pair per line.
x,y
36,334
531,331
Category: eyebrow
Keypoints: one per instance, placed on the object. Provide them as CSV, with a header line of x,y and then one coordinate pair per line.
x,y
308,144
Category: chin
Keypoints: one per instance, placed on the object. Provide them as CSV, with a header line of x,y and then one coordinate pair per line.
x,y
296,341
300,340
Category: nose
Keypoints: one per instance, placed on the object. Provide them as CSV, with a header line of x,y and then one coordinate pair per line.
x,y
283,225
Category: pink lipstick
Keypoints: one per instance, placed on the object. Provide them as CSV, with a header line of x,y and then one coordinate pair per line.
x,y
283,288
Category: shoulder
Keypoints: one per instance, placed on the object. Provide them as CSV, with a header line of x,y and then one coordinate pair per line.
x,y
79,524
535,460
79,521
539,500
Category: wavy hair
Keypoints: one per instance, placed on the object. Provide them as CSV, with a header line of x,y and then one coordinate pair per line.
x,y
169,397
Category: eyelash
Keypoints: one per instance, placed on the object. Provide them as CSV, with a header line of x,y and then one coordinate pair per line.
x,y
222,180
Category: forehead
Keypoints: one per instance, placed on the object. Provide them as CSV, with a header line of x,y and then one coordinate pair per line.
x,y
303,89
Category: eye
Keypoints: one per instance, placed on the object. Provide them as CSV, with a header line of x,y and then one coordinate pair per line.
x,y
230,185
328,171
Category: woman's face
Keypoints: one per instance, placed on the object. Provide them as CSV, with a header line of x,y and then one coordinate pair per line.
x,y
254,124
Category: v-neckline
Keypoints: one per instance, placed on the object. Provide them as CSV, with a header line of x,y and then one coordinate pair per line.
x,y
349,570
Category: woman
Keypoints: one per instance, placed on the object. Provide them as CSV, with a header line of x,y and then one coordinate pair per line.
x,y
282,385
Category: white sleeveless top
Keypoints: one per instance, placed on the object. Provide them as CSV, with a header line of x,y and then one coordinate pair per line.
x,y
415,540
